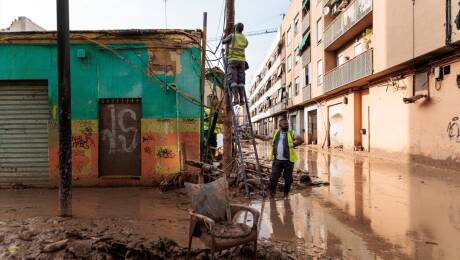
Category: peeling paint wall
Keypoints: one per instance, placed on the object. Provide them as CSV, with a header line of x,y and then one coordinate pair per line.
x,y
131,70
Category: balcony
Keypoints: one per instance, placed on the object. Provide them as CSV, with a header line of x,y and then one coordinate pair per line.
x,y
306,23
306,92
278,108
353,20
353,70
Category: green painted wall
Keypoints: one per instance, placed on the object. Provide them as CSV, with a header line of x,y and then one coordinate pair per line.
x,y
104,75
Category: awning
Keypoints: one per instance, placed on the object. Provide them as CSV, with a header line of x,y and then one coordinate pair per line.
x,y
334,1
305,42
305,4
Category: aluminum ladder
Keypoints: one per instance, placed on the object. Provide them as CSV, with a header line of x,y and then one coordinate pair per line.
x,y
237,136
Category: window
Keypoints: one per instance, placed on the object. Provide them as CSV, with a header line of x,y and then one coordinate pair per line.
x,y
296,25
289,63
340,59
420,80
319,30
358,48
279,96
289,36
296,57
297,86
320,68
308,74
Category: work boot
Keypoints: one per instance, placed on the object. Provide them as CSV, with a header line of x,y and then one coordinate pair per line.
x,y
235,96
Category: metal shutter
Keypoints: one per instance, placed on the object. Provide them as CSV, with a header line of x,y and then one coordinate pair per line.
x,y
24,113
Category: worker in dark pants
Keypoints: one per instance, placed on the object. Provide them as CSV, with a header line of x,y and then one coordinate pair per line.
x,y
237,65
283,157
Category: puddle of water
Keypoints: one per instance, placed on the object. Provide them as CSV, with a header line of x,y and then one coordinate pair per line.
x,y
371,210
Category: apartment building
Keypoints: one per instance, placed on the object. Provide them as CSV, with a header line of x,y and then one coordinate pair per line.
x,y
267,91
375,76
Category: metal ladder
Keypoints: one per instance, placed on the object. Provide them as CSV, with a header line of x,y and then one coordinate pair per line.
x,y
237,136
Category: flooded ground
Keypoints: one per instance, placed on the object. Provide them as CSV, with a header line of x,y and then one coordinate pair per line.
x,y
373,209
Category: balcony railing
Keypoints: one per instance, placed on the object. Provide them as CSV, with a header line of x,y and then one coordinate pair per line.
x,y
355,69
354,12
306,23
278,108
306,92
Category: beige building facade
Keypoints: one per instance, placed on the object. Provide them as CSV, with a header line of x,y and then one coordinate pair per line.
x,y
23,24
381,77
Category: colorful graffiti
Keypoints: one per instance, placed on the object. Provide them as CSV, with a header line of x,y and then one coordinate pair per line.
x,y
84,148
164,152
84,141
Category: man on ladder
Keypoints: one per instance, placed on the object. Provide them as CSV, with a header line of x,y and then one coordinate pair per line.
x,y
237,65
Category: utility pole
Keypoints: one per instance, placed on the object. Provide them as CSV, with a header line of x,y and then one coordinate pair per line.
x,y
227,120
65,152
203,80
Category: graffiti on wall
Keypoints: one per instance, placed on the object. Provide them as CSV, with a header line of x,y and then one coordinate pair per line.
x,y
118,131
453,129
164,152
85,140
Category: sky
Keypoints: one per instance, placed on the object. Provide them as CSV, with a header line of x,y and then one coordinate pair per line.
x,y
150,14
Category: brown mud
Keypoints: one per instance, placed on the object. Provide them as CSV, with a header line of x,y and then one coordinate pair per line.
x,y
372,209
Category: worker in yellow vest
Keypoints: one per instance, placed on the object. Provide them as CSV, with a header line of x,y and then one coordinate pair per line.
x,y
237,65
283,156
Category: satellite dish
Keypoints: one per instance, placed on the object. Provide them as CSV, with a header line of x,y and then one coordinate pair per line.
x,y
326,10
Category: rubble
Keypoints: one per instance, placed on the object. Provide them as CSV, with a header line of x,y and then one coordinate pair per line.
x,y
86,243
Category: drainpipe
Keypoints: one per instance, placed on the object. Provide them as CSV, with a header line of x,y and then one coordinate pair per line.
x,y
448,22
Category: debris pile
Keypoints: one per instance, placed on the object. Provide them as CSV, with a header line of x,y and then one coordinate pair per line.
x,y
56,238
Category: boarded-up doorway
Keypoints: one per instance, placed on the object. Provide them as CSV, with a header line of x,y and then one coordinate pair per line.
x,y
120,137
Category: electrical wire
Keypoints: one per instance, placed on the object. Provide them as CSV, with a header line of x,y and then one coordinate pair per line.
x,y
163,83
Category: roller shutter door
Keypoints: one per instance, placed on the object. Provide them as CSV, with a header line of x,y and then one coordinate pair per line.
x,y
24,113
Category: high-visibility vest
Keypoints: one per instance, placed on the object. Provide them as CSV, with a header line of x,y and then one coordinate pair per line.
x,y
207,119
292,153
207,114
236,49
218,128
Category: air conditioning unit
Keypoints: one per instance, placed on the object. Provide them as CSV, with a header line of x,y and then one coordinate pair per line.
x,y
438,73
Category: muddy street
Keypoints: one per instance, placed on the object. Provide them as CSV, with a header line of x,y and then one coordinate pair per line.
x,y
372,209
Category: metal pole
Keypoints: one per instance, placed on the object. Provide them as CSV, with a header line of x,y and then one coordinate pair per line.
x,y
203,81
227,120
65,152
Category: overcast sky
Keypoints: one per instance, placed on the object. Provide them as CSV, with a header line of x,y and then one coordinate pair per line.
x,y
150,14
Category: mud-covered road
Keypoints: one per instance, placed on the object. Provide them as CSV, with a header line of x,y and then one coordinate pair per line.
x,y
372,209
